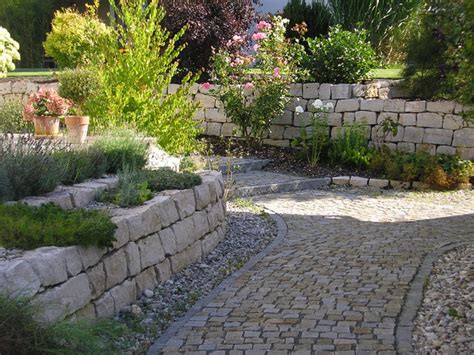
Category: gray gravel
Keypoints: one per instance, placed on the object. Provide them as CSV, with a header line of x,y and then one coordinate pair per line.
x,y
445,321
248,232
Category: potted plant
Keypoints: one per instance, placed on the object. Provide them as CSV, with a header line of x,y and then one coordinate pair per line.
x,y
44,108
77,85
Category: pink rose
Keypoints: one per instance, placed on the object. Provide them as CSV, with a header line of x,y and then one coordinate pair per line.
x,y
248,86
276,72
238,38
206,86
256,46
258,36
263,25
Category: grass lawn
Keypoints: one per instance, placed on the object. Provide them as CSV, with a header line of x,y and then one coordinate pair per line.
x,y
390,73
30,72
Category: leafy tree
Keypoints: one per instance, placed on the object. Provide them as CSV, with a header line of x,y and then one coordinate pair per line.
x,y
316,16
211,23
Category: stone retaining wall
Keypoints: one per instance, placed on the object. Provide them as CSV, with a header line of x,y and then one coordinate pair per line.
x,y
153,241
435,126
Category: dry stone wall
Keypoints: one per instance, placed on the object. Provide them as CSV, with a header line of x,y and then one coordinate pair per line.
x,y
14,90
153,241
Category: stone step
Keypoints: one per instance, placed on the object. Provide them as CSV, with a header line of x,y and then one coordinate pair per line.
x,y
242,165
261,182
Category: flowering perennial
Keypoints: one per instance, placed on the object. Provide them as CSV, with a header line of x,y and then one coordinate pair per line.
x,y
46,103
8,52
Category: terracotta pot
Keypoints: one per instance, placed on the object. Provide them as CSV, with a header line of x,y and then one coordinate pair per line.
x,y
46,126
77,127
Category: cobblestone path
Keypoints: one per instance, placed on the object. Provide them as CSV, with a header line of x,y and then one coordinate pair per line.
x,y
338,281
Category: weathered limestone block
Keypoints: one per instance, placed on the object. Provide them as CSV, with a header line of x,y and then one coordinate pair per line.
x,y
466,153
17,278
229,129
215,215
325,91
5,87
373,90
341,91
372,105
296,89
61,301
151,251
123,294
104,306
19,86
215,115
415,106
164,208
413,134
295,102
144,220
96,276
303,119
168,241
90,255
291,132
348,118
366,117
347,105
188,256
81,197
73,261
277,142
285,119
209,242
122,233
357,181
395,138
453,122
110,182
464,138
163,270
132,258
184,233
394,105
86,312
406,147
335,119
385,116
438,136
407,119
359,90
425,147
214,129
202,196
341,180
146,280
206,101
115,267
440,106
310,91
337,132
444,149
49,263
184,201
380,183
428,119
276,132
62,199
201,224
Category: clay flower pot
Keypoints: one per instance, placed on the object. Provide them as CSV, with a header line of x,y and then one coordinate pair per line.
x,y
46,126
77,127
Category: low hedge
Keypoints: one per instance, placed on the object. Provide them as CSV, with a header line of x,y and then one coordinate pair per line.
x,y
27,227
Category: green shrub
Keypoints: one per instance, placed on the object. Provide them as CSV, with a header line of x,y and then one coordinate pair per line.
x,y
351,147
139,64
166,179
27,227
342,57
29,166
78,85
82,164
123,147
22,333
11,118
75,38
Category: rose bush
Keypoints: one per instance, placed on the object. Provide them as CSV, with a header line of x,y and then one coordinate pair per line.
x,y
8,52
253,74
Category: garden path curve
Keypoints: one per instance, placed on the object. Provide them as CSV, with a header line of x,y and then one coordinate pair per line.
x,y
338,281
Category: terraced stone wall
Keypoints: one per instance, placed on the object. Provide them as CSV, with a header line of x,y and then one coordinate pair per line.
x,y
153,241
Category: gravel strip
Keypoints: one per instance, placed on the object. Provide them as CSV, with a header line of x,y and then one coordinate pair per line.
x,y
248,232
445,321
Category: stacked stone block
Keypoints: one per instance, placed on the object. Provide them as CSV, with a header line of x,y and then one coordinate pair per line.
x,y
153,241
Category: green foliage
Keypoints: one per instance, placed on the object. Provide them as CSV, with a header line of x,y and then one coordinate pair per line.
x,y
123,147
21,332
136,187
314,139
316,16
81,164
351,147
78,85
27,227
253,99
139,64
11,118
29,166
75,38
342,57
439,56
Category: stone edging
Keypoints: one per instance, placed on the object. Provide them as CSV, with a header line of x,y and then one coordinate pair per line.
x,y
414,299
199,305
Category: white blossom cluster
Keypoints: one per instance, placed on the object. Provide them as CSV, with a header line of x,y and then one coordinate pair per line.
x,y
9,51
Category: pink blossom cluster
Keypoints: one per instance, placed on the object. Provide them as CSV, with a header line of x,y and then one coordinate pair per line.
x,y
263,25
46,103
257,36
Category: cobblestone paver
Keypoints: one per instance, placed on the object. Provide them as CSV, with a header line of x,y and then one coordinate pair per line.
x,y
338,281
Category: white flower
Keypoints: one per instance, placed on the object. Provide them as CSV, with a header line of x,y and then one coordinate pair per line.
x,y
299,109
329,106
317,104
